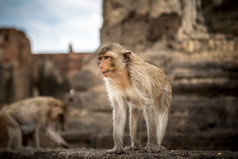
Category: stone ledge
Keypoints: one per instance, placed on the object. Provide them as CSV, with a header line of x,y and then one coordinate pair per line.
x,y
101,153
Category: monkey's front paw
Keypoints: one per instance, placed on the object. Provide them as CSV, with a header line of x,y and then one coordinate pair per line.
x,y
154,148
132,147
115,150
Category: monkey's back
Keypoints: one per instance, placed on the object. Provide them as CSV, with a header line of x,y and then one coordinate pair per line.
x,y
27,111
146,75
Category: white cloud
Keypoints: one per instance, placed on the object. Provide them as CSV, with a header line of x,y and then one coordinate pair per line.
x,y
52,25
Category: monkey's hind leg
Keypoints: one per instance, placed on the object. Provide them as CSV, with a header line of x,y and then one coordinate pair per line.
x,y
14,132
15,138
37,136
150,117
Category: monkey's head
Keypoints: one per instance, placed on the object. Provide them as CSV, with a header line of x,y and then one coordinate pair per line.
x,y
113,59
57,109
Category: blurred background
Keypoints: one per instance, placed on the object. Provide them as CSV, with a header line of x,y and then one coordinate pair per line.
x,y
194,41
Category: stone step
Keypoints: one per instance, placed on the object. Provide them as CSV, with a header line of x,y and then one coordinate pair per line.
x,y
206,87
204,74
191,71
210,140
101,153
141,154
227,66
196,113
192,118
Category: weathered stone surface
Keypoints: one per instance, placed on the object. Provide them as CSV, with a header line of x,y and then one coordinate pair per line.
x,y
56,74
15,65
48,79
141,154
98,154
83,80
190,23
67,63
3,134
221,16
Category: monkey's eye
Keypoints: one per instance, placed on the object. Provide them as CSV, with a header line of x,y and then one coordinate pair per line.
x,y
100,58
104,58
107,57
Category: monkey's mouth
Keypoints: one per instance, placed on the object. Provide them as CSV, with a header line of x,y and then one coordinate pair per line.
x,y
106,71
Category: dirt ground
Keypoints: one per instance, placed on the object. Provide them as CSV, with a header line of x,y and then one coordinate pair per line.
x,y
101,153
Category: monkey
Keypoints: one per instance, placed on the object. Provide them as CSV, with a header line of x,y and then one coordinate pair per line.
x,y
34,115
144,88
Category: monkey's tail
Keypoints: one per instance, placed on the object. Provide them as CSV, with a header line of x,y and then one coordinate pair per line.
x,y
166,97
163,113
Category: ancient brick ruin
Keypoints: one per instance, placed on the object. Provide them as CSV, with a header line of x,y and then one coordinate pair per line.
x,y
15,66
24,74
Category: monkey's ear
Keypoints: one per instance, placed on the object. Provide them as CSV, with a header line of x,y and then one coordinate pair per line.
x,y
126,56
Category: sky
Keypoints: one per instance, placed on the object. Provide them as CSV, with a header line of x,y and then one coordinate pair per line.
x,y
51,25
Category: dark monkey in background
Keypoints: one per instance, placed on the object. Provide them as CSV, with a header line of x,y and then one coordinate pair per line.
x,y
144,88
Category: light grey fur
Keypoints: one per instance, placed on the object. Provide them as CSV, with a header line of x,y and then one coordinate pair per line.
x,y
149,93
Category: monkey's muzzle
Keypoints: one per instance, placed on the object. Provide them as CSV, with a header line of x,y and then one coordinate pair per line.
x,y
106,71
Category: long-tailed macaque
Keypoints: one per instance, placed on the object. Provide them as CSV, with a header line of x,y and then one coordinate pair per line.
x,y
144,88
34,115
